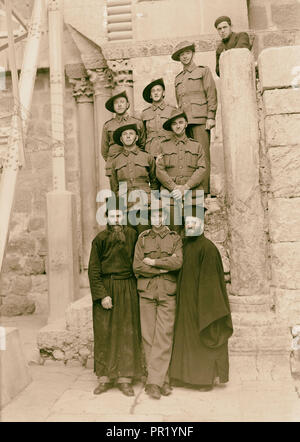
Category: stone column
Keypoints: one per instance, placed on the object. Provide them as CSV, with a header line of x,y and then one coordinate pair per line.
x,y
248,244
63,268
83,94
122,79
101,80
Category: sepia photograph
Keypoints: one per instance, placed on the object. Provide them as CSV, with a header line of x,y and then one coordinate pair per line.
x,y
149,214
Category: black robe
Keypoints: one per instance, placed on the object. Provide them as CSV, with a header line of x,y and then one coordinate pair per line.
x,y
203,320
117,334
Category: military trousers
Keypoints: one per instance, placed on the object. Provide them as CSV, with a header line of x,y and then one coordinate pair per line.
x,y
157,323
200,134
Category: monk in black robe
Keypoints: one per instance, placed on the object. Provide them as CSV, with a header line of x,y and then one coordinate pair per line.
x,y
203,320
116,323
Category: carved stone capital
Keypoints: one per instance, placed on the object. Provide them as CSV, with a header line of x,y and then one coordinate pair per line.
x,y
101,78
82,89
53,5
121,73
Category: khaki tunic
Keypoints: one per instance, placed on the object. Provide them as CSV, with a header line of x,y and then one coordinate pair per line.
x,y
134,167
154,117
157,297
196,93
181,161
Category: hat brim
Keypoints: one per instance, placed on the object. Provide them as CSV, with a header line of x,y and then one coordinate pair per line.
x,y
147,90
118,133
110,102
175,55
168,123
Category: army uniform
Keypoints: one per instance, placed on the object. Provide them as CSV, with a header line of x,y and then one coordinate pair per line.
x,y
137,169
154,117
197,96
181,162
157,292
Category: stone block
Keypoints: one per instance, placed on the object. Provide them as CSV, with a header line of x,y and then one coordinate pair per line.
x,y
285,265
282,130
258,18
286,16
287,304
276,66
36,223
21,285
284,219
34,265
16,305
281,101
285,166
14,373
277,38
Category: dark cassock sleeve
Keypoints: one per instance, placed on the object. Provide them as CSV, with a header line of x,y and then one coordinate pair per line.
x,y
98,290
214,317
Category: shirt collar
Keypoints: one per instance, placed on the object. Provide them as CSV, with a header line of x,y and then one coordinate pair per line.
x,y
123,117
162,232
190,68
128,151
161,105
180,140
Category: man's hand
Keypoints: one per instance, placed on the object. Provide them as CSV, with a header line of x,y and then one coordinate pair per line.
x,y
149,261
176,193
107,302
210,123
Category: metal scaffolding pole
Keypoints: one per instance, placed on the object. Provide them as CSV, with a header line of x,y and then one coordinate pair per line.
x,y
27,78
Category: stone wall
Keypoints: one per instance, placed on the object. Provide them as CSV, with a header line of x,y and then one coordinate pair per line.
x,y
280,90
23,281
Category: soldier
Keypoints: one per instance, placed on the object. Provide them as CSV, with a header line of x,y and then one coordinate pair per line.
x,y
157,257
118,104
136,169
197,96
230,39
116,324
155,115
180,167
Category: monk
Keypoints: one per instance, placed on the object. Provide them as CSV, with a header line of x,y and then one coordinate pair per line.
x,y
203,319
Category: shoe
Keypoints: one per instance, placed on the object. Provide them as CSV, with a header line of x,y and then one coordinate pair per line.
x,y
205,388
153,391
126,389
102,388
166,389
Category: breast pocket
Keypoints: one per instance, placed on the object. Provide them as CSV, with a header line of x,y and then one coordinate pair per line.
x,y
170,159
191,158
121,170
150,250
195,82
141,167
150,125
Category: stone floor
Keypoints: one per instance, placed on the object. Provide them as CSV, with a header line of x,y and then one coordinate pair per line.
x,y
260,389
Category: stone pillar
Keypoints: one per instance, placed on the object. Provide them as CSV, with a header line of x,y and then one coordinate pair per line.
x,y
101,80
122,79
63,268
83,94
247,244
